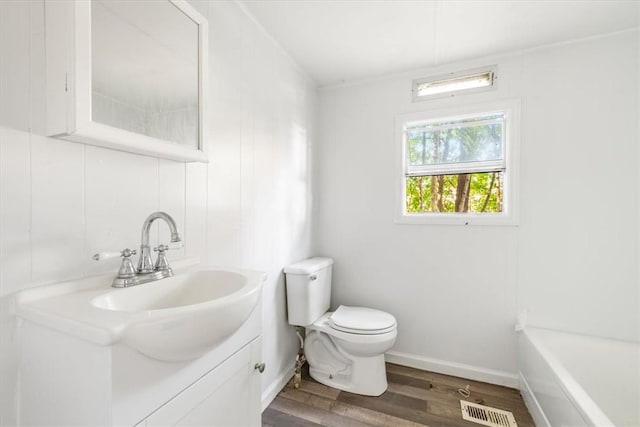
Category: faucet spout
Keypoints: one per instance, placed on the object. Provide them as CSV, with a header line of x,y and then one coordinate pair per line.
x,y
145,263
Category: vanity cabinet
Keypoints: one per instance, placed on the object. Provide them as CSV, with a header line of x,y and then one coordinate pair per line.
x,y
227,396
65,379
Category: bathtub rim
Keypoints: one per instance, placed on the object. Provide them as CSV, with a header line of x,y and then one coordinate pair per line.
x,y
584,404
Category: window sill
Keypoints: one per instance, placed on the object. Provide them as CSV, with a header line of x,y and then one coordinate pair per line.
x,y
456,219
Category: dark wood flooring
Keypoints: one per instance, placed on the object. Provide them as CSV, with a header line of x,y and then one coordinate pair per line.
x,y
414,398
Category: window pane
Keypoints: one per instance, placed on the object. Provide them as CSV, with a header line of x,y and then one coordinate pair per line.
x,y
472,193
473,139
454,84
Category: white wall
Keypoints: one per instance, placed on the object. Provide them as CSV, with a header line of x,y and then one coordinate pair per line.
x,y
577,271
249,207
455,290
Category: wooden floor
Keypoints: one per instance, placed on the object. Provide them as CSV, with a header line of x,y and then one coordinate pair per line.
x,y
414,398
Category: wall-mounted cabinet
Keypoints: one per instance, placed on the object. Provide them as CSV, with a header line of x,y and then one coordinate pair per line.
x,y
128,75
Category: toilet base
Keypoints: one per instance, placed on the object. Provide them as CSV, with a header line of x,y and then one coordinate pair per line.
x,y
364,375
346,361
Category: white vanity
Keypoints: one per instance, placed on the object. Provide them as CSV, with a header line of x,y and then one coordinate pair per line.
x,y
82,346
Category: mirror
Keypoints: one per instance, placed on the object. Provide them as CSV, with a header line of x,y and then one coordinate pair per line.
x,y
145,69
127,75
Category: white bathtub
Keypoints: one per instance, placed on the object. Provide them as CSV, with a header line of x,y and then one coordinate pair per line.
x,y
576,380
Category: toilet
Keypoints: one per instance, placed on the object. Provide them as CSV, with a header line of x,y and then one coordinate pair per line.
x,y
345,348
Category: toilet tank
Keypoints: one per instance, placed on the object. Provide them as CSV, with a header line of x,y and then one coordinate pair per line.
x,y
308,285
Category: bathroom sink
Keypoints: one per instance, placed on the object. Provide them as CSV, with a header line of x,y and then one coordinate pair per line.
x,y
181,317
174,319
194,288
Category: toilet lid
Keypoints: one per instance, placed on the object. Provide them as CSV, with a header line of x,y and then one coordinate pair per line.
x,y
361,320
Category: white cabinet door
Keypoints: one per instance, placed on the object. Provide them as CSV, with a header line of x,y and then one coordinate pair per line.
x,y
227,396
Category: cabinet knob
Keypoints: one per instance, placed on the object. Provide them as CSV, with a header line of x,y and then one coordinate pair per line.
x,y
260,367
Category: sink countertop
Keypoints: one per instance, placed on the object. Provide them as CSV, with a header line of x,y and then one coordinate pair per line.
x,y
67,306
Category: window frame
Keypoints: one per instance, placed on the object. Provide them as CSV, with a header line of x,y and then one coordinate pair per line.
x,y
509,215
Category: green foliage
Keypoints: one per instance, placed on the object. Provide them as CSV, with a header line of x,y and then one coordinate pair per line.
x,y
419,193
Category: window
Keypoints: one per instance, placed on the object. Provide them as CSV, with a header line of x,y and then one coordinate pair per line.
x,y
452,84
459,166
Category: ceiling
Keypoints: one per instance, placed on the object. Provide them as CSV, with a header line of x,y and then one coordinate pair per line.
x,y
343,40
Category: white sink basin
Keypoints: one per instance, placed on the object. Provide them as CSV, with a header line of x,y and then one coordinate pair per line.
x,y
181,317
179,291
175,319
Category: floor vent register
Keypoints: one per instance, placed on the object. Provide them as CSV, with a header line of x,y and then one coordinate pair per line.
x,y
486,415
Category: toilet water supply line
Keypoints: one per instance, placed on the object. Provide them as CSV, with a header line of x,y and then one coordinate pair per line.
x,y
297,377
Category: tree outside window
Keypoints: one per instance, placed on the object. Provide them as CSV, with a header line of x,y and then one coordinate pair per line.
x,y
455,165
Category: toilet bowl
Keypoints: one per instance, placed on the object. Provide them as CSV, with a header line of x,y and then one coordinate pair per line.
x,y
345,348
351,361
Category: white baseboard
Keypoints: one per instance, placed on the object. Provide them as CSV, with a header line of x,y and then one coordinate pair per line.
x,y
274,388
455,369
539,418
419,362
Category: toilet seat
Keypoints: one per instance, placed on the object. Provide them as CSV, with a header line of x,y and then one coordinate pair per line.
x,y
361,321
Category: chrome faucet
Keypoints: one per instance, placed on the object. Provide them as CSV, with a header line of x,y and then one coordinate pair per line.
x,y
146,271
145,264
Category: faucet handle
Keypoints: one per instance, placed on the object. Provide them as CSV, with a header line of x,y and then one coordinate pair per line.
x,y
170,246
127,270
161,262
102,256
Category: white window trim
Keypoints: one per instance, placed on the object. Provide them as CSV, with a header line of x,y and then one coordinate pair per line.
x,y
511,108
